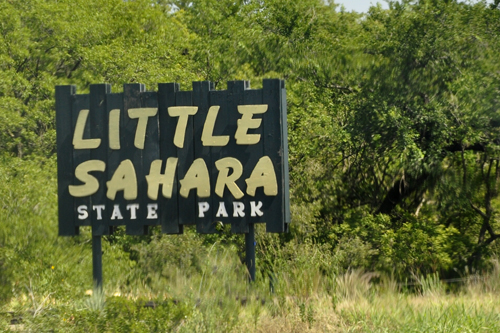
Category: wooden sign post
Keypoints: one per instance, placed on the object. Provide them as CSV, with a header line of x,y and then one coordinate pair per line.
x,y
172,158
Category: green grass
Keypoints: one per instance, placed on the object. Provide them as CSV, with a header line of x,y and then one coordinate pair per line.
x,y
193,283
217,298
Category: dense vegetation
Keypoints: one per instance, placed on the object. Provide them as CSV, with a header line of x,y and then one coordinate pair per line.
x,y
394,135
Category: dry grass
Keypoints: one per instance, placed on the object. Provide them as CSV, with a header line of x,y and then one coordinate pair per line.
x,y
216,298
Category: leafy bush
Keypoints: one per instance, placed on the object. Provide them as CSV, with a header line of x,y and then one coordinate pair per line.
x,y
413,245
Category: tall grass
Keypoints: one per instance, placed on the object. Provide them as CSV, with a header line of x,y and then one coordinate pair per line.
x,y
192,283
216,297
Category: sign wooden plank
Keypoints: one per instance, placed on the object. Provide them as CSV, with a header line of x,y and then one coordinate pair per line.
x,y
65,168
235,97
185,152
132,100
215,213
169,207
273,146
202,150
255,153
285,183
150,153
98,130
81,204
116,119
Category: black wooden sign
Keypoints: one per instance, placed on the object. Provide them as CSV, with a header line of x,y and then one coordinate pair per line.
x,y
172,158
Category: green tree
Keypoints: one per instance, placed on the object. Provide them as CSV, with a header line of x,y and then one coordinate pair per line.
x,y
416,125
44,43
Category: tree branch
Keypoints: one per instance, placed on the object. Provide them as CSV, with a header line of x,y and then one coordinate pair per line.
x,y
458,146
479,211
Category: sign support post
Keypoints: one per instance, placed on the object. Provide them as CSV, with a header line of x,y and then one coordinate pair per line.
x,y
250,251
97,262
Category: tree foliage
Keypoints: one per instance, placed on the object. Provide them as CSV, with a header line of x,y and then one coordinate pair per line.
x,y
393,114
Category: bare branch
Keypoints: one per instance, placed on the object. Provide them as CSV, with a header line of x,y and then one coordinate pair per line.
x,y
479,211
